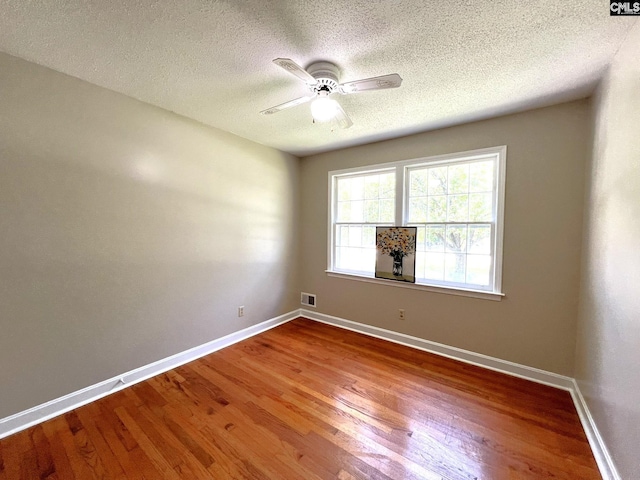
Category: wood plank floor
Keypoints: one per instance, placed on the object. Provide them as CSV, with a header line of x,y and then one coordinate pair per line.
x,y
310,401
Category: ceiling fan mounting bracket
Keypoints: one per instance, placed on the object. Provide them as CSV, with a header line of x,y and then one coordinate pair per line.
x,y
326,75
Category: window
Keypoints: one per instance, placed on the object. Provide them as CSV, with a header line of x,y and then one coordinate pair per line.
x,y
362,201
455,201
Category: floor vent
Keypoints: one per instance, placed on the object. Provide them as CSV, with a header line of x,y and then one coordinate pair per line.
x,y
308,299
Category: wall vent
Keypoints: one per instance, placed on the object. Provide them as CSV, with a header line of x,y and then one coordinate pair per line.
x,y
308,299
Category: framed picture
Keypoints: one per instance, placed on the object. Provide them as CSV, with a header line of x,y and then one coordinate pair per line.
x,y
396,253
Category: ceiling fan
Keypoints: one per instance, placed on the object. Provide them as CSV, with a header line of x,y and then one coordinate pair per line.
x,y
322,80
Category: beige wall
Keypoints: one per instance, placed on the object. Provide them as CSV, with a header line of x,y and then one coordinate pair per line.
x,y
535,324
608,347
127,234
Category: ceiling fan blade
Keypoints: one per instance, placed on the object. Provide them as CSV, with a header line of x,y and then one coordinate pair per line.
x,y
392,80
285,105
295,69
342,118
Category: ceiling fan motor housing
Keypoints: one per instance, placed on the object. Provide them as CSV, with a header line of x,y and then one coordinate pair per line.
x,y
326,75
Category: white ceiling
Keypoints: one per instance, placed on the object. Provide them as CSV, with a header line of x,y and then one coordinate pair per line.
x,y
211,60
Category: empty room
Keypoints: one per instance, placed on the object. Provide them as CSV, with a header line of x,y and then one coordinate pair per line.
x,y
319,240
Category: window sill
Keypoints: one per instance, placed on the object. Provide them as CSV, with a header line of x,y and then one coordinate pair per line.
x,y
418,286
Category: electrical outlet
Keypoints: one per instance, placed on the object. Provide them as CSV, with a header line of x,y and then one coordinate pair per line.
x,y
241,311
401,314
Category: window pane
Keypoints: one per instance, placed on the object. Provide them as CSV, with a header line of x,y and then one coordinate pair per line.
x,y
387,211
339,257
347,258
344,189
438,181
452,204
479,239
479,269
344,211
357,188
481,207
458,208
481,174
454,267
437,209
369,237
368,260
342,236
456,238
435,238
418,210
458,178
356,211
420,239
418,183
355,248
355,236
372,186
420,258
434,266
388,185
371,210
354,258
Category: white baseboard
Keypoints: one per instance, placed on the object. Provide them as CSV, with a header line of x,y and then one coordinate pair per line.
x,y
466,356
40,413
25,419
600,451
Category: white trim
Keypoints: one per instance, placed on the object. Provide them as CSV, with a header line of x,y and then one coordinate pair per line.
x,y
600,451
501,165
462,156
401,207
401,169
27,418
598,447
478,359
330,216
463,292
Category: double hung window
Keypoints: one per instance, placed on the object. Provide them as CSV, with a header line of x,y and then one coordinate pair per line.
x,y
455,201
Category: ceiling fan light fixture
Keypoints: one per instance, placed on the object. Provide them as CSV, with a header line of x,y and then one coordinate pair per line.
x,y
322,80
324,109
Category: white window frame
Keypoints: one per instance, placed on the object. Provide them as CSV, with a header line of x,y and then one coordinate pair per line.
x,y
401,214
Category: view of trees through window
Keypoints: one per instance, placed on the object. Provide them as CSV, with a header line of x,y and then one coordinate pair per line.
x,y
363,201
453,203
453,208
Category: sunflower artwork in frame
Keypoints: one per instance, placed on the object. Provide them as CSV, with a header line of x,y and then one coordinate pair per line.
x,y
396,253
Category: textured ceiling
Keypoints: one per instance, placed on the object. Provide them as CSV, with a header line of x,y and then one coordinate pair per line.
x,y
211,60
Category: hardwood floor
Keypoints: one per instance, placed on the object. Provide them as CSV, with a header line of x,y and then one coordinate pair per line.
x,y
307,401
